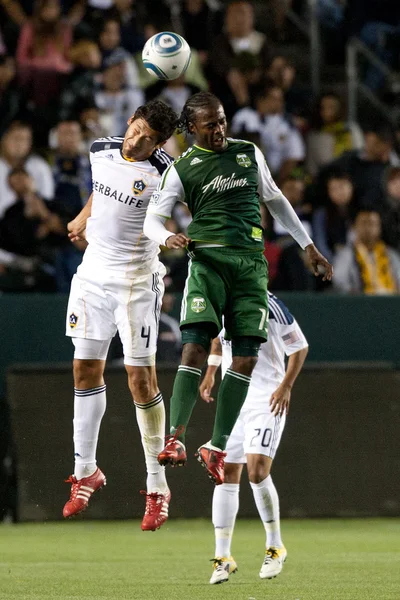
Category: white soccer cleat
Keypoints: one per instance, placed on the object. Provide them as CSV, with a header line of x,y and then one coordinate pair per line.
x,y
273,562
223,567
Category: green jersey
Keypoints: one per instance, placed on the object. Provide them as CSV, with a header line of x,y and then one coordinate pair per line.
x,y
222,191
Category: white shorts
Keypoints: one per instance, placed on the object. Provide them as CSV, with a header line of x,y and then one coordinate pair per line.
x,y
255,432
101,305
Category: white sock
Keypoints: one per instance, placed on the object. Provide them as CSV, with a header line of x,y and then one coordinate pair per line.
x,y
151,421
225,507
267,502
89,408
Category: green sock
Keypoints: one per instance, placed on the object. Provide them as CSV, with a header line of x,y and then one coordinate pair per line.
x,y
231,396
184,397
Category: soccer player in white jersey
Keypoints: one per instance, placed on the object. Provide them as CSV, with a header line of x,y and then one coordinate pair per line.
x,y
119,286
255,437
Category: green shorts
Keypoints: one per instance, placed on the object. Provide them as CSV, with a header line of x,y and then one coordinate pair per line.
x,y
229,282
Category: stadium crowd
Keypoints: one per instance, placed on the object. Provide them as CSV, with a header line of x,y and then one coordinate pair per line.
x,y
71,71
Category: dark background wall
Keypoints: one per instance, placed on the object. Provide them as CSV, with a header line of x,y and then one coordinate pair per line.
x,y
338,456
339,328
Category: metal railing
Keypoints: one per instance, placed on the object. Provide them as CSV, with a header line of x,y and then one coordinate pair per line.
x,y
310,28
357,90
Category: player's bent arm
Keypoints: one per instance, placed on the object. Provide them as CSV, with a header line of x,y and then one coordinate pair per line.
x,y
77,226
163,200
280,399
213,363
294,366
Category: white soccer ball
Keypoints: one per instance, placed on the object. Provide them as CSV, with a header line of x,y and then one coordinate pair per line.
x,y
166,55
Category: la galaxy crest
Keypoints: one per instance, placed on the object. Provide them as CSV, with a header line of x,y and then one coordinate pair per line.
x,y
73,320
138,186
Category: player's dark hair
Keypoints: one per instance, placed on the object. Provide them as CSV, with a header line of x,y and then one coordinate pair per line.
x,y
160,117
199,101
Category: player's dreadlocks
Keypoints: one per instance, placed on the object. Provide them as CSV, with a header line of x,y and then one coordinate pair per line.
x,y
197,101
159,116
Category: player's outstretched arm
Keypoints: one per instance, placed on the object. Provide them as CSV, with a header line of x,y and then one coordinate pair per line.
x,y
281,209
77,227
280,399
213,362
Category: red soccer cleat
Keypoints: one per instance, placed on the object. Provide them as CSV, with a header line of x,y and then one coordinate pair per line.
x,y
81,492
174,453
156,510
212,459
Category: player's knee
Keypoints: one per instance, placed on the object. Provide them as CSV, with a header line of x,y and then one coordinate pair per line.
x,y
232,472
193,355
244,364
244,353
140,385
258,470
88,373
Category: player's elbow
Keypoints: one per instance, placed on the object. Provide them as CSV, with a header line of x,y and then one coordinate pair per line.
x,y
303,354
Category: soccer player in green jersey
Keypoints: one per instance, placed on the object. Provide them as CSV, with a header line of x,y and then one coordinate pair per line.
x,y
221,180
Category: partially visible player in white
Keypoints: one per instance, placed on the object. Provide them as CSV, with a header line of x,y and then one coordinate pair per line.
x,y
119,287
255,438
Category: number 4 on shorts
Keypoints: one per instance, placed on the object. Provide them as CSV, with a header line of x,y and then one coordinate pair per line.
x,y
146,335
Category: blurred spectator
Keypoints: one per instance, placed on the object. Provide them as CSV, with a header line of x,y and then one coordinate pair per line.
x,y
71,168
332,222
381,26
359,12
391,209
94,13
367,167
25,229
16,151
175,92
116,102
330,135
202,21
109,42
331,17
281,142
80,87
367,265
42,54
239,57
89,117
297,97
3,49
10,96
132,38
294,272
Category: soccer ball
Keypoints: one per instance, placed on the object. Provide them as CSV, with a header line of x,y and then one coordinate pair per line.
x,y
166,55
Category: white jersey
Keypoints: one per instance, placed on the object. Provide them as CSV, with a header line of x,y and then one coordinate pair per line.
x,y
121,192
284,338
